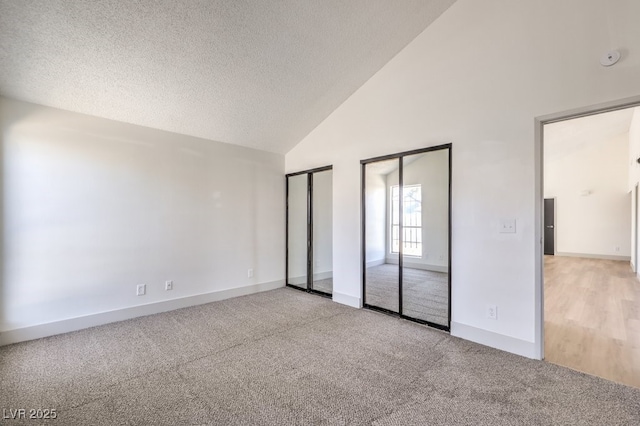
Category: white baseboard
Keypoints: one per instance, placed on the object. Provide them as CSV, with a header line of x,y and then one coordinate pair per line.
x,y
345,299
495,340
425,267
322,275
419,265
375,263
298,280
595,256
302,280
78,323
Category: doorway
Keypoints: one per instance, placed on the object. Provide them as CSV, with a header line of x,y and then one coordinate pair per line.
x,y
309,229
588,292
406,235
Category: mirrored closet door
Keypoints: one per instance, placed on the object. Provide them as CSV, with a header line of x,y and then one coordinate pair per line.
x,y
309,230
406,223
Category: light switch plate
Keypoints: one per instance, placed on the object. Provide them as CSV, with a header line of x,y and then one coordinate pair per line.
x,y
507,226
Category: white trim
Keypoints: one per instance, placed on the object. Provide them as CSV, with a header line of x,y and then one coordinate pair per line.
x,y
375,263
417,265
595,256
93,320
322,275
346,299
302,280
495,340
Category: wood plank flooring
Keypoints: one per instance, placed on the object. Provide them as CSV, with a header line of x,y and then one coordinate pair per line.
x,y
592,317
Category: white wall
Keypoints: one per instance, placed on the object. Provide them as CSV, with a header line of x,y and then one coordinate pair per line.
x,y
376,217
634,149
598,224
477,77
297,230
93,207
322,225
634,231
431,172
634,179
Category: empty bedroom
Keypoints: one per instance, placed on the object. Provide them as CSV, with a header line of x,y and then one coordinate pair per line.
x,y
295,212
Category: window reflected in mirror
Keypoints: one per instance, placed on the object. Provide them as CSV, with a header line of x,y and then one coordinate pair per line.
x,y
406,235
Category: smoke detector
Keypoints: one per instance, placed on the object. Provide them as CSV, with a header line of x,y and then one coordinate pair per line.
x,y
610,58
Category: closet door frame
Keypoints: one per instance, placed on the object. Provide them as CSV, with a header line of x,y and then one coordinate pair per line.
x,y
309,174
399,156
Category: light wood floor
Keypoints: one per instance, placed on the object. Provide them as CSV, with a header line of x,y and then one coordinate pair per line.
x,y
592,317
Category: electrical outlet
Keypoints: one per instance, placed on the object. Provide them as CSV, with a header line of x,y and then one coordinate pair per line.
x,y
617,249
250,273
168,285
492,312
141,290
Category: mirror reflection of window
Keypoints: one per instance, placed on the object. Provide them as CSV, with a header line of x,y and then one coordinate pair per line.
x,y
411,220
406,211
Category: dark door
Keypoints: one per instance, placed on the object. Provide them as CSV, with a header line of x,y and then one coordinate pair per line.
x,y
549,225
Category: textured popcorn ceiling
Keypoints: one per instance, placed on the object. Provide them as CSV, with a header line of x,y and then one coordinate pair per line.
x,y
258,73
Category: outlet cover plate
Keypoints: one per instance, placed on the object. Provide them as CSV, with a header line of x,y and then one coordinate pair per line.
x,y
141,289
492,312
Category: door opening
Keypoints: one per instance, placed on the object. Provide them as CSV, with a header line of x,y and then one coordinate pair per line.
x,y
586,163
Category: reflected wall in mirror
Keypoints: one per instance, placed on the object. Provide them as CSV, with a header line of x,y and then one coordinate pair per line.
x,y
381,275
406,234
297,230
425,262
310,230
322,206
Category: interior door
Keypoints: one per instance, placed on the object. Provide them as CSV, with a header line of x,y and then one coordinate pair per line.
x,y
549,226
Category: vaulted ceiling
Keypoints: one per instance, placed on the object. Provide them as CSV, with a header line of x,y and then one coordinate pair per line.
x,y
255,73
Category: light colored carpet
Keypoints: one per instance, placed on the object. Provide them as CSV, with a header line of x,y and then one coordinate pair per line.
x,y
325,285
425,293
286,357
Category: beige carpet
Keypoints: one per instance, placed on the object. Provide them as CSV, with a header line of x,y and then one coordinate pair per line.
x,y
325,285
287,357
425,293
